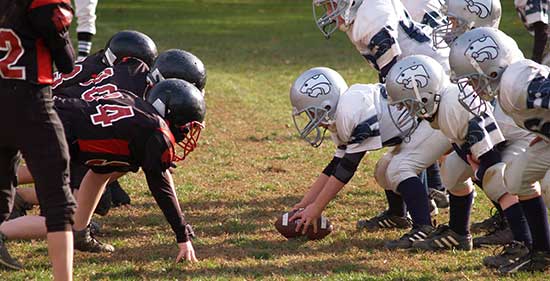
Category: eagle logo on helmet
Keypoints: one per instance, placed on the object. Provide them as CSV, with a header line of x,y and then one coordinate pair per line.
x,y
416,72
482,49
482,8
315,86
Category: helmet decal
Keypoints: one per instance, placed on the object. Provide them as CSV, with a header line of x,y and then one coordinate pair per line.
x,y
482,49
482,8
315,86
418,72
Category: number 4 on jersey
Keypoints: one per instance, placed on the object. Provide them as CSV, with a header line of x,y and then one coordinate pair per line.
x,y
108,114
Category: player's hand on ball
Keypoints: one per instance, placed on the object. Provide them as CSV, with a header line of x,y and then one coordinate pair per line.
x,y
307,217
186,251
298,206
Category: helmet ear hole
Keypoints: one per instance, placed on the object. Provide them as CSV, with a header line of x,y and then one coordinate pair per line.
x,y
493,74
327,107
424,100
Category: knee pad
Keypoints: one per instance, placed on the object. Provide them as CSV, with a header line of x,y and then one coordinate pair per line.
x,y
398,171
494,183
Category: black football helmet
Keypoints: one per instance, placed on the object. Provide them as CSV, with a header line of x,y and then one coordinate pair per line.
x,y
130,43
183,107
179,64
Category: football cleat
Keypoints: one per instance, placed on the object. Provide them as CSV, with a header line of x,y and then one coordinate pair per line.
x,y
491,224
20,207
384,220
530,262
406,241
497,237
509,253
440,197
85,242
444,238
5,257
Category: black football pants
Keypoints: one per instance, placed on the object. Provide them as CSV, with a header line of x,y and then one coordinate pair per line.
x,y
29,125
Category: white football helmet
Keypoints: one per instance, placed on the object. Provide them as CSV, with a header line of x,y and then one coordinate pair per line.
x,y
314,97
332,12
464,15
478,58
415,82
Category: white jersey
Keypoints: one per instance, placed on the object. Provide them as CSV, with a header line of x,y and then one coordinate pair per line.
x,y
472,133
427,12
525,96
362,120
383,32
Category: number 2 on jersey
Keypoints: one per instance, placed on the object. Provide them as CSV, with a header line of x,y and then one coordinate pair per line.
x,y
11,44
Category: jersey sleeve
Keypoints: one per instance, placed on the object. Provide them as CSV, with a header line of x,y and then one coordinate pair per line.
x,y
374,33
51,19
155,166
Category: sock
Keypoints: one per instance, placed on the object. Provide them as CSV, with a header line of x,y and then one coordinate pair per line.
x,y
396,205
459,214
415,195
84,44
434,177
535,212
499,209
518,224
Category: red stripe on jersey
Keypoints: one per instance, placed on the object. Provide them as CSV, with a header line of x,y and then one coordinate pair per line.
x,y
39,3
43,63
110,146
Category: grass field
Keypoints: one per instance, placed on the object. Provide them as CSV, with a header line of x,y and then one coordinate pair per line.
x,y
250,165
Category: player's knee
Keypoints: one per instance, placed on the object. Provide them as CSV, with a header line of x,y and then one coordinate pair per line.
x,y
380,171
59,216
460,187
399,171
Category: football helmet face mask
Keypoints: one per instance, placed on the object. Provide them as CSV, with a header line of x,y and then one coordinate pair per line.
x,y
129,43
183,107
178,64
330,15
464,15
314,97
415,82
478,58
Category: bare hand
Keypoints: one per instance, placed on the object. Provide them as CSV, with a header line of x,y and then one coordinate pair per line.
x,y
298,206
474,163
186,251
307,217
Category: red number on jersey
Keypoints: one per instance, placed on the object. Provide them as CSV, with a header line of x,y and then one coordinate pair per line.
x,y
59,77
107,91
108,114
11,44
106,73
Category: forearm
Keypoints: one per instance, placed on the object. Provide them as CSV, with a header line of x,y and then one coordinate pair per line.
x,y
331,188
315,189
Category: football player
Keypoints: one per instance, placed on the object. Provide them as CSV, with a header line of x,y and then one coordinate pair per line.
x,y
359,121
116,133
464,15
34,35
383,32
429,12
491,61
534,15
85,29
420,84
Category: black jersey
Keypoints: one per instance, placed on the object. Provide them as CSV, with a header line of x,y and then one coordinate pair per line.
x,y
83,71
121,132
33,33
130,75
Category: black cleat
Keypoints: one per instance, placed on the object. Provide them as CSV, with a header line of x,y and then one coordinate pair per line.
x,y
491,224
508,254
85,242
530,262
5,258
119,196
444,238
406,241
104,204
498,237
384,220
440,197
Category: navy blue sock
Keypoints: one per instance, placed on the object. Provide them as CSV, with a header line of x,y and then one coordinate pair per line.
x,y
396,204
434,177
518,224
459,214
535,212
499,208
415,196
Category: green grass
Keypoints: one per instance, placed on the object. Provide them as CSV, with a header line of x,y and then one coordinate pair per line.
x,y
250,165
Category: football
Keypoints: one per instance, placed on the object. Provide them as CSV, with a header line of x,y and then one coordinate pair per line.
x,y
288,228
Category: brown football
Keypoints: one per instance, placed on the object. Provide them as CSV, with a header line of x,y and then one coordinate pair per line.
x,y
288,228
